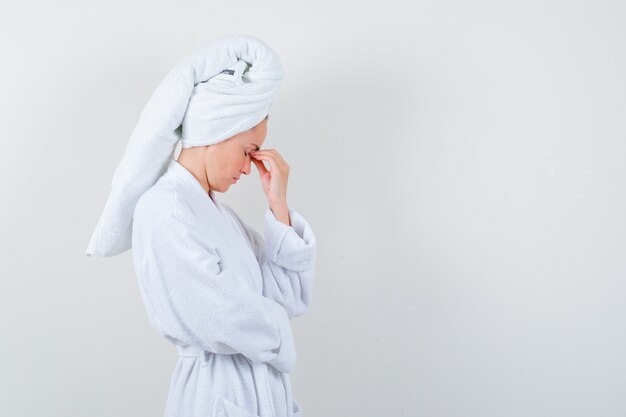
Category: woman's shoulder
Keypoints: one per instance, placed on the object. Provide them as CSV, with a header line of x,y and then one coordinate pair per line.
x,y
160,201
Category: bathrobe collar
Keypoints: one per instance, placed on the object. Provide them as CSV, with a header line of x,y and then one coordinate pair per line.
x,y
176,171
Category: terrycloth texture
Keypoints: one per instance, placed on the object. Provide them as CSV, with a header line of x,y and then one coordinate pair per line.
x,y
222,89
231,102
224,296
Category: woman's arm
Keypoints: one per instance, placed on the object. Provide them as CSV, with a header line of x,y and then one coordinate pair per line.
x,y
287,257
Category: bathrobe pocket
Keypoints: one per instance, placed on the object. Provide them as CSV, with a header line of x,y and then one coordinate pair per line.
x,y
226,408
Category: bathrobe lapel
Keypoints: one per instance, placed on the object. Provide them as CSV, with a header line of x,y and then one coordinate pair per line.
x,y
237,241
233,247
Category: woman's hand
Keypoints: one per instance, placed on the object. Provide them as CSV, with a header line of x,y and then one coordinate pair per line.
x,y
274,181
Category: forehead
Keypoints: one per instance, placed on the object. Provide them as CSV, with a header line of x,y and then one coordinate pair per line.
x,y
248,140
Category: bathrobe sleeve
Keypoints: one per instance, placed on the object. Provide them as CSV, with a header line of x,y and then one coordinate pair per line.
x,y
287,257
196,301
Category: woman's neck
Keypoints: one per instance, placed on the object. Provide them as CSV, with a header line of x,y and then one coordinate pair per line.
x,y
193,160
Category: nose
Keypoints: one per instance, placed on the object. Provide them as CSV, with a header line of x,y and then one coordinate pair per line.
x,y
246,165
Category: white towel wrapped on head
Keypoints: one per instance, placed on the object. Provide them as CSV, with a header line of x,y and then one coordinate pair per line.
x,y
229,103
223,88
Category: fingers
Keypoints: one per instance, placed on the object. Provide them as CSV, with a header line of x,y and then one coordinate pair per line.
x,y
273,157
260,166
273,152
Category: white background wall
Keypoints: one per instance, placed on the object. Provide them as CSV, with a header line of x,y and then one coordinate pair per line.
x,y
462,165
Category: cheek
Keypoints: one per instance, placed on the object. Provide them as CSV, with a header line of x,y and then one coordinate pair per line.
x,y
232,166
219,170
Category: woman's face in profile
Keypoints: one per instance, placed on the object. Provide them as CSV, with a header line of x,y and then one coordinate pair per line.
x,y
228,160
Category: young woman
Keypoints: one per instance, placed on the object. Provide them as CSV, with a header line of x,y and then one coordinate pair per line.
x,y
214,287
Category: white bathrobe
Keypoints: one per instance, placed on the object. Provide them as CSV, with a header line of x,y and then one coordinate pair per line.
x,y
224,296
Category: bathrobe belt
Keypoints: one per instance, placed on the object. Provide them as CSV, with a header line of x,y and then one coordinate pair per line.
x,y
190,350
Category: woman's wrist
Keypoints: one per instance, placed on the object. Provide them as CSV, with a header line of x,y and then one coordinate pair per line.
x,y
281,212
